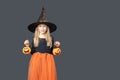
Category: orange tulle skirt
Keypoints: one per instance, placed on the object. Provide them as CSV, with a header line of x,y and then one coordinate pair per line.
x,y
42,67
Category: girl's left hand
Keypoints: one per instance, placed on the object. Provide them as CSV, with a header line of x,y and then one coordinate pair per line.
x,y
57,44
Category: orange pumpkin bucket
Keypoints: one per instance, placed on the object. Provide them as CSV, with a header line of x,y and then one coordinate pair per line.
x,y
56,51
26,50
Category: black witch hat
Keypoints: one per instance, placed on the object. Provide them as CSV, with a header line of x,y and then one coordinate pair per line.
x,y
42,20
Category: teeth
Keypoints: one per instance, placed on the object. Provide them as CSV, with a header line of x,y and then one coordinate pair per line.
x,y
26,50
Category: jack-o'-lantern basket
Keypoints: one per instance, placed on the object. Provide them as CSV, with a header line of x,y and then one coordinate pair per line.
x,y
56,51
26,50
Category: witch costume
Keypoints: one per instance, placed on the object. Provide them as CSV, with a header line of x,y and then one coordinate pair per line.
x,y
42,64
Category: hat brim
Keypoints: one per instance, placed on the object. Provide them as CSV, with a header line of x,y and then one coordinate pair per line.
x,y
51,26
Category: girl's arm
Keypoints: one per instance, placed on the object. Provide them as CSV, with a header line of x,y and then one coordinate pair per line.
x,y
32,47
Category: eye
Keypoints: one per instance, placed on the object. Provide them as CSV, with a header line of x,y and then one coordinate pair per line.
x,y
44,26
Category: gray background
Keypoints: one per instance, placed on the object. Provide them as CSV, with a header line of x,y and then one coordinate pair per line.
x,y
87,29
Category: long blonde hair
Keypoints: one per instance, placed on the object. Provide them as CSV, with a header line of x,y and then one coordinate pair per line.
x,y
47,37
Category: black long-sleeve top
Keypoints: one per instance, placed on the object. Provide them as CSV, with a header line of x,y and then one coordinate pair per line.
x,y
42,47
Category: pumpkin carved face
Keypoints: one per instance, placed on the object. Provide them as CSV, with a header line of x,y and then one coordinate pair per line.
x,y
26,50
56,51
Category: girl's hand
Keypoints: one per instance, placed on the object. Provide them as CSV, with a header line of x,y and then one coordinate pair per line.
x,y
57,44
26,42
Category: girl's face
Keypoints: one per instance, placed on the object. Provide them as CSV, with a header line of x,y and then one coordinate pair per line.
x,y
42,28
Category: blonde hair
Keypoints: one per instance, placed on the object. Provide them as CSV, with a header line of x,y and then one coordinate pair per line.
x,y
47,37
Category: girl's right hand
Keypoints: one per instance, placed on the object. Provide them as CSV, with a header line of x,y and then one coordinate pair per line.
x,y
26,42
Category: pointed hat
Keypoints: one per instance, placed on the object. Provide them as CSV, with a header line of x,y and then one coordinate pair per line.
x,y
42,20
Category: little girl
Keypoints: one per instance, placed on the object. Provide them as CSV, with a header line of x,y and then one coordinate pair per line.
x,y
42,64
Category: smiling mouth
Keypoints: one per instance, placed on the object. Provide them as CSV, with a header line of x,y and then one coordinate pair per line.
x,y
42,30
